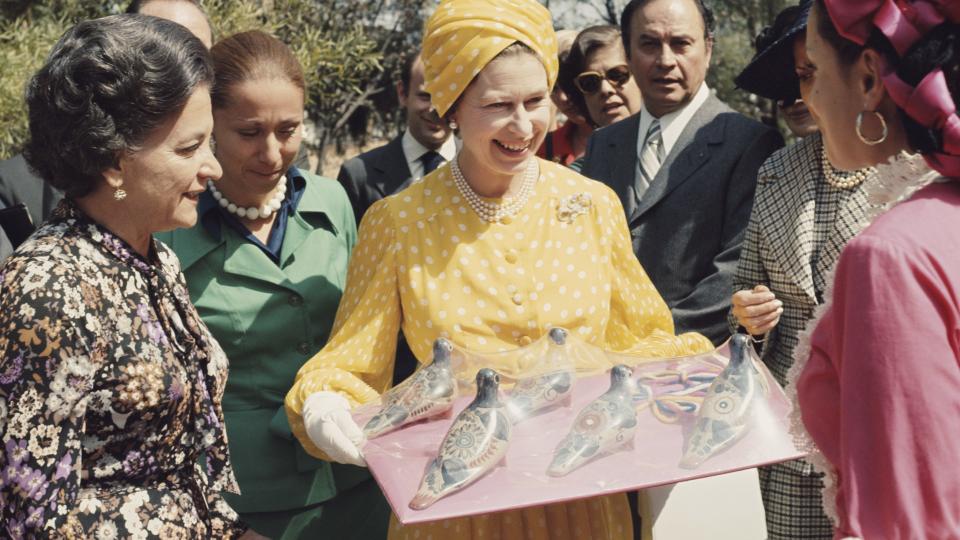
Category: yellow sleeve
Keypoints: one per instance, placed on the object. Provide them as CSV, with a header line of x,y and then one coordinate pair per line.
x,y
358,359
640,321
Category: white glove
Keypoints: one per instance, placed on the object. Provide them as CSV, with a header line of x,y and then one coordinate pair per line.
x,y
326,417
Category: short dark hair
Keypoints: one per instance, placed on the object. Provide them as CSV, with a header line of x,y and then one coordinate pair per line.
x,y
98,96
586,43
706,15
406,69
938,48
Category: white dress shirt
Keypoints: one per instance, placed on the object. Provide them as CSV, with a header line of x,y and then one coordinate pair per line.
x,y
671,124
413,151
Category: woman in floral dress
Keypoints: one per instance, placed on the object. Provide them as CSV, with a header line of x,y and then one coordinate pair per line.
x,y
110,385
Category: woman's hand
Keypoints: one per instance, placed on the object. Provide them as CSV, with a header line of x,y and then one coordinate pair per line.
x,y
326,417
757,310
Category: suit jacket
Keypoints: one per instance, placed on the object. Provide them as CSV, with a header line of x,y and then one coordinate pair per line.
x,y
368,178
689,225
19,184
270,318
375,174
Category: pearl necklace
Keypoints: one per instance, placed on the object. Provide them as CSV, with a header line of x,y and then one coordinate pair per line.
x,y
490,211
842,180
252,212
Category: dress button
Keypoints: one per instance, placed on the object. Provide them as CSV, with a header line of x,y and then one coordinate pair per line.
x,y
511,289
295,300
511,256
525,340
303,348
517,299
506,220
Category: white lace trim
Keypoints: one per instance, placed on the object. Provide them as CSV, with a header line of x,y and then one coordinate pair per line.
x,y
893,183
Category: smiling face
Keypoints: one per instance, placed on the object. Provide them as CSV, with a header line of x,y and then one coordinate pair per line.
x,y
611,103
669,55
503,117
422,120
166,175
258,134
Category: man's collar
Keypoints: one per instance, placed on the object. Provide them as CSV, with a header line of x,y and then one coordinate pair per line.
x,y
414,150
672,123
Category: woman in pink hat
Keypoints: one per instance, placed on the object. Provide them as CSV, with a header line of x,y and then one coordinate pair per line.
x,y
877,378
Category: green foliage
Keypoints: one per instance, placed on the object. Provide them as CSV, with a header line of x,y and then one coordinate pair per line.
x,y
344,47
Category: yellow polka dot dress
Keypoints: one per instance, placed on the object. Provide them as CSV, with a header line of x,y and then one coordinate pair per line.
x,y
426,263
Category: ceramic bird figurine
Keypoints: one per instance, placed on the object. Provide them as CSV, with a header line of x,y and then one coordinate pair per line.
x,y
475,443
725,413
427,393
607,423
533,394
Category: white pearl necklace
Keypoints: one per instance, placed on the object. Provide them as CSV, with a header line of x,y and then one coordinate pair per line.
x,y
492,212
252,212
842,180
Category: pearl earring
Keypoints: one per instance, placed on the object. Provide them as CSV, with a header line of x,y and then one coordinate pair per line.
x,y
119,194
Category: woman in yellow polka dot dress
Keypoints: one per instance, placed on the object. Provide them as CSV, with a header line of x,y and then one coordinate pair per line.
x,y
489,251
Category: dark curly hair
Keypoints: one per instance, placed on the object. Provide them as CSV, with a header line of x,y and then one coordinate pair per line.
x,y
107,84
586,43
940,47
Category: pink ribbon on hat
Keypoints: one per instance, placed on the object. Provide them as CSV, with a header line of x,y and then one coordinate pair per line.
x,y
904,23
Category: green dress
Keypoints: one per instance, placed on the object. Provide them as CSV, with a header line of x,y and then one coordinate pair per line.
x,y
270,314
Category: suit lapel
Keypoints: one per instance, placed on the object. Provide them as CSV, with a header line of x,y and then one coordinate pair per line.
x,y
623,148
689,153
391,171
788,216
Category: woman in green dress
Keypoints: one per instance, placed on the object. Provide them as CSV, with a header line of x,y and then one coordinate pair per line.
x,y
265,265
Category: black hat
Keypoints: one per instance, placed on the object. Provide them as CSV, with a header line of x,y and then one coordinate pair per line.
x,y
771,73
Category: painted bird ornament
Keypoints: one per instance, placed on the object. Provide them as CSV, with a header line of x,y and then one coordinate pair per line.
x,y
724,416
606,424
475,443
427,393
534,394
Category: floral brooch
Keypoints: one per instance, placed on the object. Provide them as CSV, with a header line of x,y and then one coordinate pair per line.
x,y
572,206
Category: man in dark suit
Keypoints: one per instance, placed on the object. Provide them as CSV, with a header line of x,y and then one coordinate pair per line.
x,y
19,185
685,167
424,145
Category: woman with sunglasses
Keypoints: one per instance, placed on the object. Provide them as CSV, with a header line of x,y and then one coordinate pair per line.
x,y
596,78
804,212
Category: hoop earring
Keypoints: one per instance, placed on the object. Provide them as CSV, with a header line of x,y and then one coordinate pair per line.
x,y
883,126
119,194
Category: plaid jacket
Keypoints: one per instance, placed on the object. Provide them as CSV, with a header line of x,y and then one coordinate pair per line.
x,y
779,249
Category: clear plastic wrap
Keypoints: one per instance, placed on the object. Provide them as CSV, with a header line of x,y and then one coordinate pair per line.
x,y
667,396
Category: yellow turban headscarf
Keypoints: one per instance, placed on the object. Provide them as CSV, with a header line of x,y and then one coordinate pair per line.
x,y
463,36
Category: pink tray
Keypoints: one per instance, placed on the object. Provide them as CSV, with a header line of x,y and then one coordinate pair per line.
x,y
397,460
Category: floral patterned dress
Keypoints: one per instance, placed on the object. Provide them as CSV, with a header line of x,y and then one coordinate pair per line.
x,y
110,388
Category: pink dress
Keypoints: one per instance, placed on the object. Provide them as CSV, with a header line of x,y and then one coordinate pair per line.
x,y
880,393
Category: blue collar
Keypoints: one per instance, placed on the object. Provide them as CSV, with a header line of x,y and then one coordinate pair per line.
x,y
209,211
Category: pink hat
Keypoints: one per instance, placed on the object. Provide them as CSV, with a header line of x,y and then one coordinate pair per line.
x,y
904,23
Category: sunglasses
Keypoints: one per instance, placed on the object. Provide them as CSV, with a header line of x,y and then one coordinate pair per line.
x,y
589,82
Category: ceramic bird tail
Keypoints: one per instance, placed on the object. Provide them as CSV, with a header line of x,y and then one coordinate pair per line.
x,y
607,423
475,443
427,393
725,413
534,394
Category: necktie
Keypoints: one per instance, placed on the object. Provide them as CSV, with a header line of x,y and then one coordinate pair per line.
x,y
431,160
650,158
